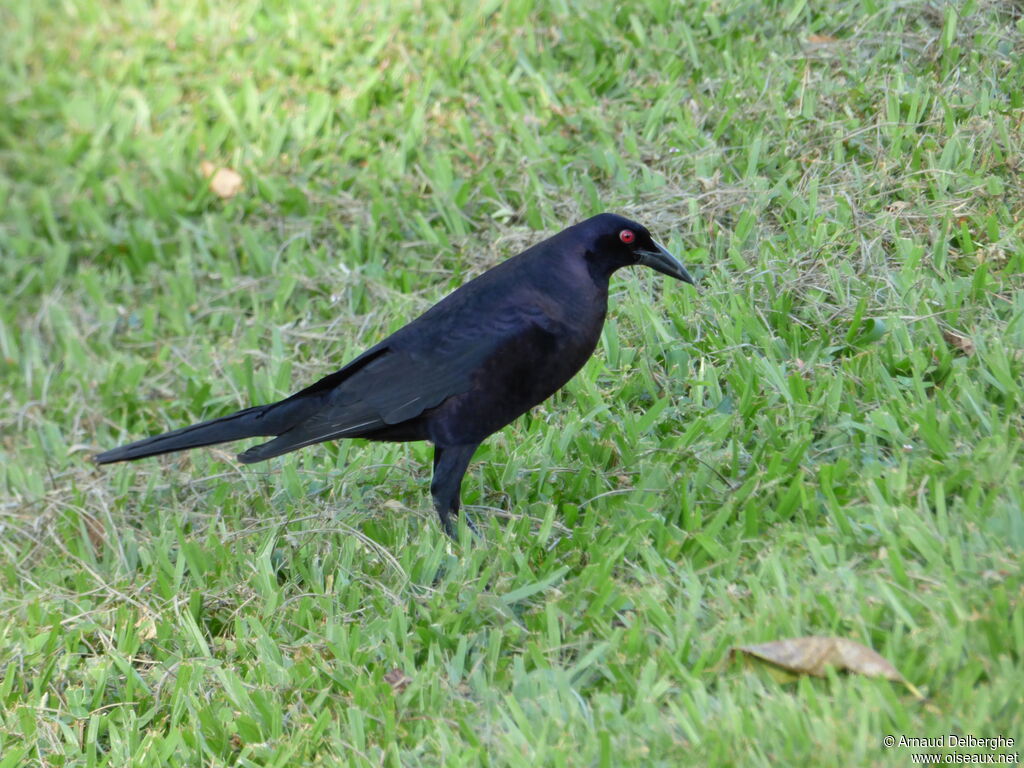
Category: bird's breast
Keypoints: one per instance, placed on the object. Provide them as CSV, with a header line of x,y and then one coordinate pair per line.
x,y
549,345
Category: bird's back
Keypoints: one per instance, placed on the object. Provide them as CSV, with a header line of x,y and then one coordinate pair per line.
x,y
483,355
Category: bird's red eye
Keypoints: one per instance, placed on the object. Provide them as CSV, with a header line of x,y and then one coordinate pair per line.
x,y
627,236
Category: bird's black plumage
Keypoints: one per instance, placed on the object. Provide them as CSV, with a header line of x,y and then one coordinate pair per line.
x,y
472,363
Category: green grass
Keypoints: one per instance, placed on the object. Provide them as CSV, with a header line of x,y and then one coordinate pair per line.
x,y
797,449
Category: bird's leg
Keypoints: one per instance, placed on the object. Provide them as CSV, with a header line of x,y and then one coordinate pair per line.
x,y
450,464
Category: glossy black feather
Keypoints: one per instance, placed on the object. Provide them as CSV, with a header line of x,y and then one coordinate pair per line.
x,y
474,362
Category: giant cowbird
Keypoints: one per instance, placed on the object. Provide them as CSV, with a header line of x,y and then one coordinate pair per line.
x,y
485,354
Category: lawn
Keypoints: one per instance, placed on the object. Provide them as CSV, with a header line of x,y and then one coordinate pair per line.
x,y
826,439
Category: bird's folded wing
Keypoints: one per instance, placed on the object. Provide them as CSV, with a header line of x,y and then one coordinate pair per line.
x,y
406,379
400,385
387,385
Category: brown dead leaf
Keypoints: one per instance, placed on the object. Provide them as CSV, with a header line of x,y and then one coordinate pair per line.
x,y
811,655
145,626
397,679
224,182
96,531
820,39
959,342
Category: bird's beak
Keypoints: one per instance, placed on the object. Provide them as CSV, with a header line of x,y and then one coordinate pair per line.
x,y
660,260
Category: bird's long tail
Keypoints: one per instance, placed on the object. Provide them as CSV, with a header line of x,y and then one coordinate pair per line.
x,y
260,421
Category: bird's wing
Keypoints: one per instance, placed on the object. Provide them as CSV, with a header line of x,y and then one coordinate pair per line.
x,y
397,381
401,384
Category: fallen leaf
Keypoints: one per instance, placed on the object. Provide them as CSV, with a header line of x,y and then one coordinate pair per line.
x,y
145,627
959,342
95,530
397,679
224,182
820,39
811,655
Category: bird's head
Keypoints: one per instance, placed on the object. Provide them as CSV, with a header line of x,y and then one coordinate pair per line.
x,y
615,241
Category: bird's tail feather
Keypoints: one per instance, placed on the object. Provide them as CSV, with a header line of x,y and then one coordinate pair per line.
x,y
252,422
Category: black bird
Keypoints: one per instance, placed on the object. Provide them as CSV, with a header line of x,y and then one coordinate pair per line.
x,y
487,353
